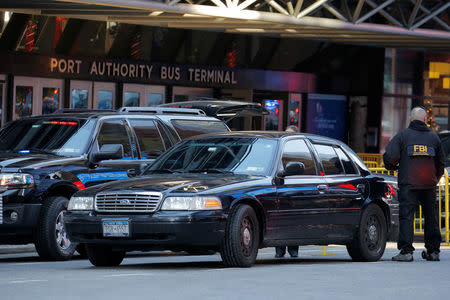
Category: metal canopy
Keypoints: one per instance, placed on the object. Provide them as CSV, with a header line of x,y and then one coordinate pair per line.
x,y
385,23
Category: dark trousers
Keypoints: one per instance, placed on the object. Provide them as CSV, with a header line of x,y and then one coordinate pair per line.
x,y
409,202
281,251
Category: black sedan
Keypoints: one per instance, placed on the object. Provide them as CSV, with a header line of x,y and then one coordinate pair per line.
x,y
235,193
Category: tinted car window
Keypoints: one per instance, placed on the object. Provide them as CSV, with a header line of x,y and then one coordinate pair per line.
x,y
188,128
148,138
330,160
251,156
114,132
60,136
297,150
348,165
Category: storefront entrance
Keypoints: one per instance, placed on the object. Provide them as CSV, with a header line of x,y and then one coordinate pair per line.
x,y
36,96
143,95
2,98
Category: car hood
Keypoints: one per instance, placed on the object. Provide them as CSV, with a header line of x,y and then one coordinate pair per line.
x,y
14,162
172,183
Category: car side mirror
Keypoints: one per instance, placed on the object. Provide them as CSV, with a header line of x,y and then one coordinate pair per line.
x,y
132,173
292,168
107,151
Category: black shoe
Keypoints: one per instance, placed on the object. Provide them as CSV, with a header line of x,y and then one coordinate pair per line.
x,y
278,255
293,254
405,257
433,256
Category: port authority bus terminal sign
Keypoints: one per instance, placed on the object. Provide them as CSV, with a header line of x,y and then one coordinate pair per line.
x,y
103,69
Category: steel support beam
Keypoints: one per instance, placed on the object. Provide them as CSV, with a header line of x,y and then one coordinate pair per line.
x,y
430,16
413,15
374,11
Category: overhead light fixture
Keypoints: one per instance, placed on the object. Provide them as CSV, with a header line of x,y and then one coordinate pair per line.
x,y
7,16
291,30
250,29
155,13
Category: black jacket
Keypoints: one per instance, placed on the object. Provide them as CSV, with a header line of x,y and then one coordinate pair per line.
x,y
417,154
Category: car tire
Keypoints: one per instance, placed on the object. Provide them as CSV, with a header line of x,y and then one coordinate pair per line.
x,y
241,243
369,242
104,256
51,239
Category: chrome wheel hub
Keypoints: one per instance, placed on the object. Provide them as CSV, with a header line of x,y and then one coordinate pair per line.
x,y
60,231
246,237
372,230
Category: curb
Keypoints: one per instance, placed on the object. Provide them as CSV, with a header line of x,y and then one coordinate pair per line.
x,y
13,249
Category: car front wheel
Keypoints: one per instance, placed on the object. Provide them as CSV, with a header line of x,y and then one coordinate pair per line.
x,y
369,242
104,256
241,243
51,238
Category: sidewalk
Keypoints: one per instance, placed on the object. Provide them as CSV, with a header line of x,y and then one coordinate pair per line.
x,y
12,249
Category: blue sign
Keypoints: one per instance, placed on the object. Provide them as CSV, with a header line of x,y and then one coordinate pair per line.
x,y
326,115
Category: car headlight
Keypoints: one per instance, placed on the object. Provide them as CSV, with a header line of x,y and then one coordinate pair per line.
x,y
16,181
81,203
191,203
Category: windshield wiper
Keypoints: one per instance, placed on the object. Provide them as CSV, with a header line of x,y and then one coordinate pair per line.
x,y
210,171
162,171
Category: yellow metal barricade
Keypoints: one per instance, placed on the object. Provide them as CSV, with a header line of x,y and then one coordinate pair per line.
x,y
383,171
370,158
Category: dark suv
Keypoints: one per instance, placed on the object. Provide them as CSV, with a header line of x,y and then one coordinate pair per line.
x,y
44,160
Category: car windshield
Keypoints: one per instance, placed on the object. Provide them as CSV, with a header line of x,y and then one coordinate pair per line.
x,y
252,156
57,136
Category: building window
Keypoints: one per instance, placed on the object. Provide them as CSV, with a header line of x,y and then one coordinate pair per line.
x,y
79,98
24,101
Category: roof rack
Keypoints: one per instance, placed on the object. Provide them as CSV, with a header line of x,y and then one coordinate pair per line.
x,y
161,110
80,110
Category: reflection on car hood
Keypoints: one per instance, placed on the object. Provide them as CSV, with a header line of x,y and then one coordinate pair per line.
x,y
178,183
13,162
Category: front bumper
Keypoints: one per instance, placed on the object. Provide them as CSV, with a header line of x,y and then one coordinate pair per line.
x,y
160,230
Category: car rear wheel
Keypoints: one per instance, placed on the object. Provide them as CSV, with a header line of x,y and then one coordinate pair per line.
x,y
51,237
369,242
104,256
241,243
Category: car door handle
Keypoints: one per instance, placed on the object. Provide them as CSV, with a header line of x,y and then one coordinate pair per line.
x,y
322,187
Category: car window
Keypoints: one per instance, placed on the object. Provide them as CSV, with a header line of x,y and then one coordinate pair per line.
x,y
114,132
349,168
297,150
164,135
148,138
59,136
188,128
330,160
251,156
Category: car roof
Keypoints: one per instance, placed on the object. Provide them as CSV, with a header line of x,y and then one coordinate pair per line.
x,y
271,135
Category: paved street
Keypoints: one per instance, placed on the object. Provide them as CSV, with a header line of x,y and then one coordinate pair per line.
x,y
166,275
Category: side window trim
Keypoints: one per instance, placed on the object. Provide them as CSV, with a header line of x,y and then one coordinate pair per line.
x,y
320,161
99,128
355,167
280,159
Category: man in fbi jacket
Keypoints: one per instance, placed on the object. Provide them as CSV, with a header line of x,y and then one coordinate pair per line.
x,y
417,154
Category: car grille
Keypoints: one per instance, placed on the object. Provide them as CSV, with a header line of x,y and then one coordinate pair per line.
x,y
1,209
127,202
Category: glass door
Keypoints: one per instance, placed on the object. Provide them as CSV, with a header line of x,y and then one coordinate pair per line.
x,y
104,95
273,121
143,95
2,99
50,93
80,94
295,110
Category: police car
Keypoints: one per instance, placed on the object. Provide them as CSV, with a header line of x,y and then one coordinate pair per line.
x,y
44,160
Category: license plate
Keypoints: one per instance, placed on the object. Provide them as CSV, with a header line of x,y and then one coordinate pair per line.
x,y
116,228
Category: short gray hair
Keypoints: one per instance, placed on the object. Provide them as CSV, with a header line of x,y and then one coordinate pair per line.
x,y
418,113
